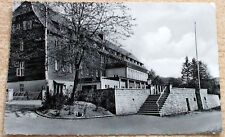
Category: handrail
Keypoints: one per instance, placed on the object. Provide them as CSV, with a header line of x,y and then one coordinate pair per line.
x,y
161,94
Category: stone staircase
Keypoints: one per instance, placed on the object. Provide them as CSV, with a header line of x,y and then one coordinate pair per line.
x,y
153,104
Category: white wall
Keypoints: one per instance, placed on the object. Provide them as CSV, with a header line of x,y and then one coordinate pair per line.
x,y
111,83
135,74
128,101
30,86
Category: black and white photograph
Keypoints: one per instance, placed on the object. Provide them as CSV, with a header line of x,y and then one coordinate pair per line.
x,y
121,68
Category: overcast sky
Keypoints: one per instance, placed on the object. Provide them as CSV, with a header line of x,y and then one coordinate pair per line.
x,y
165,35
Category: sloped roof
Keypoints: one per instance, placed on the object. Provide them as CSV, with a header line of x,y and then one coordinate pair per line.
x,y
54,19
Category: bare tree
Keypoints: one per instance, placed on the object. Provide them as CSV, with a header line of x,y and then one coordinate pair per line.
x,y
88,21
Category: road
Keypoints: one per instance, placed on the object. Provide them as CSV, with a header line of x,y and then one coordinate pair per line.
x,y
195,122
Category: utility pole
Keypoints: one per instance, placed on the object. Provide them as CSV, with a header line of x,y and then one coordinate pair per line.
x,y
198,84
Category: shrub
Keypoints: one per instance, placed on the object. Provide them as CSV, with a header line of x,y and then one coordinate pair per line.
x,y
54,101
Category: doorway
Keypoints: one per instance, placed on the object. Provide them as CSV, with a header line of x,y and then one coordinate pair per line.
x,y
188,105
58,87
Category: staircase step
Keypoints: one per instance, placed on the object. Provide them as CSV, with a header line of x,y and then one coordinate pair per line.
x,y
153,105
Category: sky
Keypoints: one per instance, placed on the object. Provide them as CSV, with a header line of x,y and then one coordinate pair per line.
x,y
164,36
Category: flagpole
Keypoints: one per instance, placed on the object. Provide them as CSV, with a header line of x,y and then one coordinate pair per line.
x,y
46,41
196,51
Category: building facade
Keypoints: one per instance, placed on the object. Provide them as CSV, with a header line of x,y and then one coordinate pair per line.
x,y
37,32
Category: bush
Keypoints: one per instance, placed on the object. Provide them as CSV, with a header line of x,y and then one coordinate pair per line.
x,y
54,101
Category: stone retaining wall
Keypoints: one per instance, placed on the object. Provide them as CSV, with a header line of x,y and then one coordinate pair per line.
x,y
177,101
128,101
209,100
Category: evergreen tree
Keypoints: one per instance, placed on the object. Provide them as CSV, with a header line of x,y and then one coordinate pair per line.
x,y
203,71
186,72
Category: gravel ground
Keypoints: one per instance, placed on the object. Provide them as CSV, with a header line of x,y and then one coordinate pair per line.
x,y
27,122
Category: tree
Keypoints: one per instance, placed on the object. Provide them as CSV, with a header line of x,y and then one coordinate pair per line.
x,y
156,80
190,73
186,72
87,21
203,73
176,82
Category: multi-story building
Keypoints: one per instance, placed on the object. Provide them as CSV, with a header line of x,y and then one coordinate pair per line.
x,y
33,64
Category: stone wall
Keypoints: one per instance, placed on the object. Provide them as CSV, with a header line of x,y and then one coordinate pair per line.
x,y
176,102
209,100
128,101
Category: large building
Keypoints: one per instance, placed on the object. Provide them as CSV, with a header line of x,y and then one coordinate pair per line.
x,y
33,65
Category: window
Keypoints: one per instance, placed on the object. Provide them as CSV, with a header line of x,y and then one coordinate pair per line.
x,y
63,68
194,99
20,70
18,26
24,25
70,68
56,43
30,24
21,45
56,65
102,59
96,73
21,87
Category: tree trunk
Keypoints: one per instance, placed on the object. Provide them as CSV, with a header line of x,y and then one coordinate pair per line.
x,y
75,84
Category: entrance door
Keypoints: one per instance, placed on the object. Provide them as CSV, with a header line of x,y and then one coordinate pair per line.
x,y
188,105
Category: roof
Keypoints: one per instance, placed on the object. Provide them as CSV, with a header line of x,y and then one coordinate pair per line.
x,y
54,19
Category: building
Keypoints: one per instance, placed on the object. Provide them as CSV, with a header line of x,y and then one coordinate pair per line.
x,y
38,32
33,65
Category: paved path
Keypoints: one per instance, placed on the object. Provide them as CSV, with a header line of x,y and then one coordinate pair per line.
x,y
25,102
132,124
